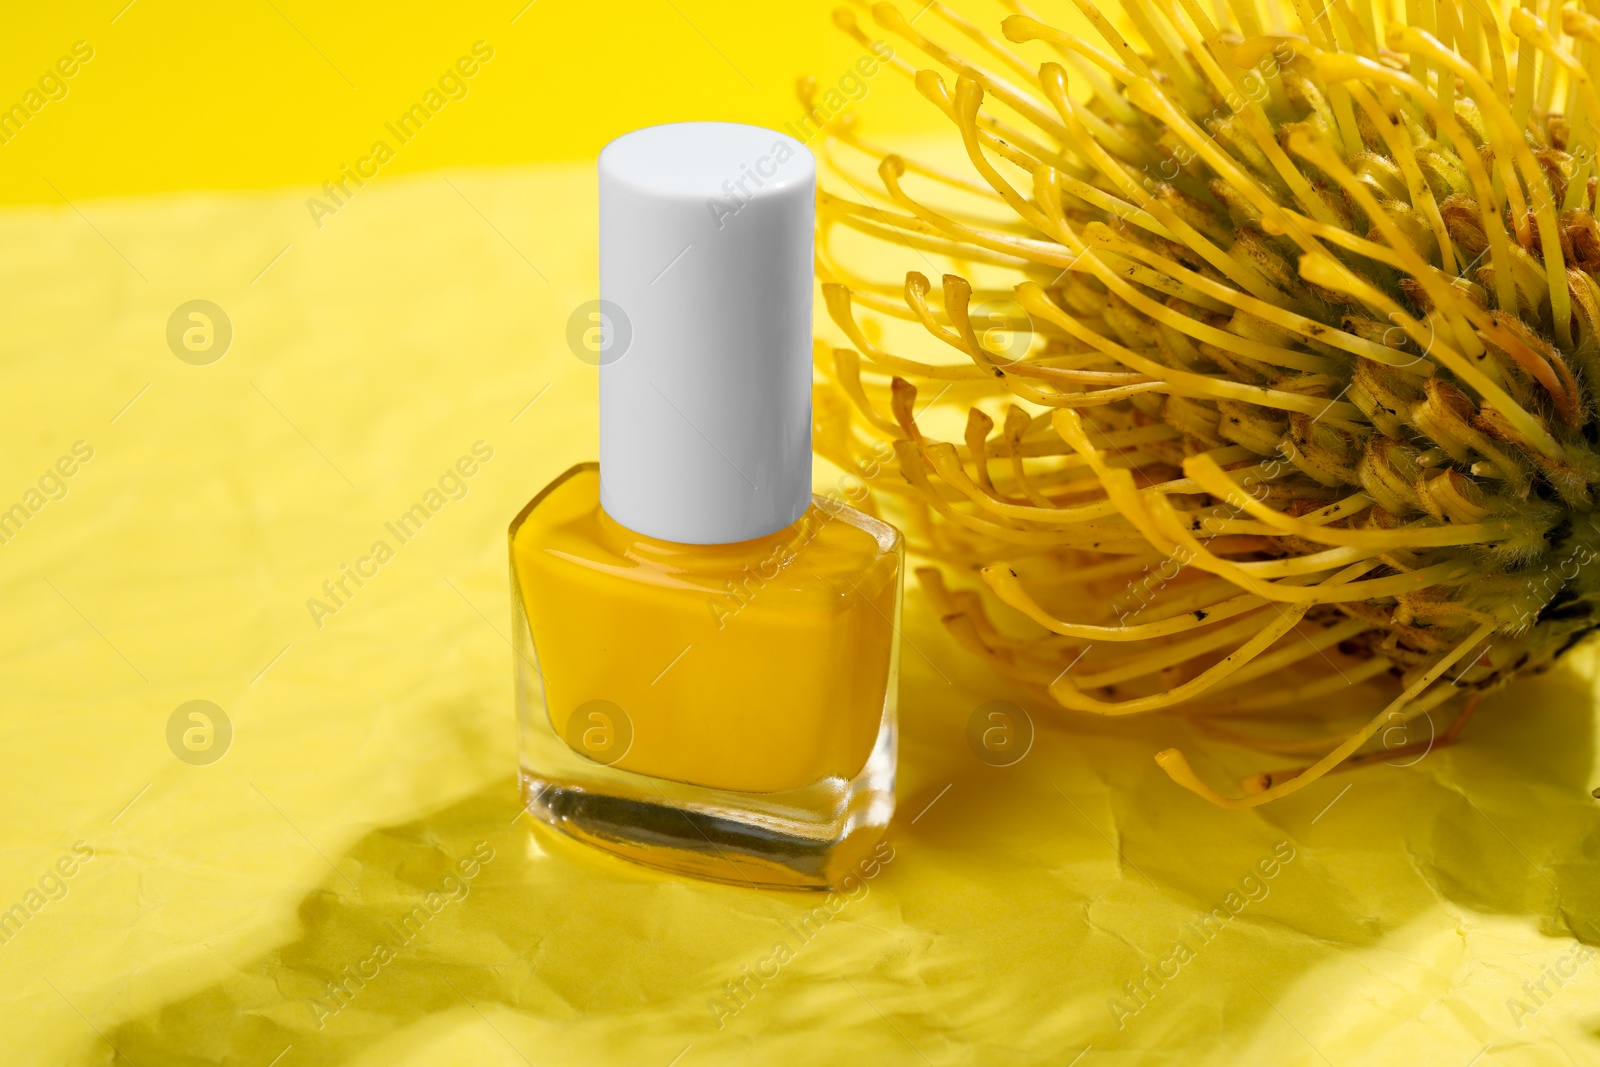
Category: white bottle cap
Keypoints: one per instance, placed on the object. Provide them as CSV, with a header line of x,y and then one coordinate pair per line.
x,y
705,392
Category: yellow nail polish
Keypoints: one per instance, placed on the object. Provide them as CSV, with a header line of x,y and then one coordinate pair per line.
x,y
707,654
723,710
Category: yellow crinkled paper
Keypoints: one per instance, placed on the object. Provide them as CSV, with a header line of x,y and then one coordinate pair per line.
x,y
1075,906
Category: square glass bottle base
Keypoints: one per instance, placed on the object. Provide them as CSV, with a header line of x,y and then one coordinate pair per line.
x,y
806,838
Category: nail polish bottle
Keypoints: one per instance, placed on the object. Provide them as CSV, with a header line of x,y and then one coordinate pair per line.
x,y
706,653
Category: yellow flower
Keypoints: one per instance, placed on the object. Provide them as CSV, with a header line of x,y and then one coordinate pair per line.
x,y
1277,335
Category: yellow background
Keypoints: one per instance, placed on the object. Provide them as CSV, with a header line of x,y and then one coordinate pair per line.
x,y
372,753
187,94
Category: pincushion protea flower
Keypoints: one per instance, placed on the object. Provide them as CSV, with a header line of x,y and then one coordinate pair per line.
x,y
1307,393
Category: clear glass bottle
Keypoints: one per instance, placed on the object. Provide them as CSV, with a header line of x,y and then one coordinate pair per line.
x,y
707,654
726,711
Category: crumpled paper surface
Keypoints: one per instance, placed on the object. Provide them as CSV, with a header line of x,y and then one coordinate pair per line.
x,y
1073,908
